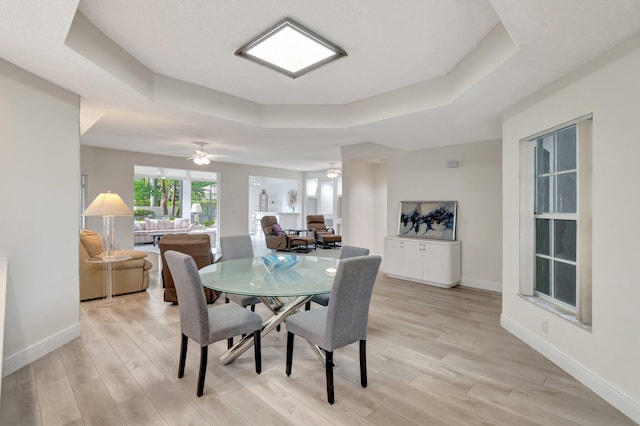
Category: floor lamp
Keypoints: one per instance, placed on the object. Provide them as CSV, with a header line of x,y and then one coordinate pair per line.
x,y
108,205
196,208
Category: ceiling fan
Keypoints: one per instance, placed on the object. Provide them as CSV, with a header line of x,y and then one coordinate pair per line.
x,y
333,172
201,157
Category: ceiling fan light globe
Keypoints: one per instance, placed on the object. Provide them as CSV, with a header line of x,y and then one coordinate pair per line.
x,y
332,173
201,161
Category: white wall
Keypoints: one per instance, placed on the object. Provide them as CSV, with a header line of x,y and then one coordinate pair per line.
x,y
475,185
277,192
605,357
380,198
364,204
40,180
109,169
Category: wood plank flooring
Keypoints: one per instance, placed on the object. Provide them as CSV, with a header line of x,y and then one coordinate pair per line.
x,y
435,357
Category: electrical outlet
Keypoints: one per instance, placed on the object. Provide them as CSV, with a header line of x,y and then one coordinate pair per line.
x,y
545,326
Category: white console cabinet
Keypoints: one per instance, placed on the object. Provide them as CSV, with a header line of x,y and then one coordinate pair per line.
x,y
432,262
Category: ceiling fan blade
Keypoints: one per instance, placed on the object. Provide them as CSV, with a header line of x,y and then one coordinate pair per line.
x,y
199,153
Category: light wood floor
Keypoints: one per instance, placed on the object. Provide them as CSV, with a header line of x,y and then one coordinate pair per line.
x,y
435,357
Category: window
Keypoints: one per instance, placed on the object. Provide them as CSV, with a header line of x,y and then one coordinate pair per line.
x,y
555,215
555,218
171,193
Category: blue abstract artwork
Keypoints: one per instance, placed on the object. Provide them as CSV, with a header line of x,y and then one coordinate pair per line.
x,y
428,219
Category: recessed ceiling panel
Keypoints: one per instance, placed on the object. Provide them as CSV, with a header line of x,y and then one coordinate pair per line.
x,y
389,46
291,49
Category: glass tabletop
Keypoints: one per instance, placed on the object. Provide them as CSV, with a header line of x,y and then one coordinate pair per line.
x,y
250,276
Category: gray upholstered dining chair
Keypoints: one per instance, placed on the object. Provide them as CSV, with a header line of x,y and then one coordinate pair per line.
x,y
238,247
345,252
207,325
343,321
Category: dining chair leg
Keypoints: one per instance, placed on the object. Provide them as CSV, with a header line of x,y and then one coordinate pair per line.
x,y
307,305
229,342
363,363
289,352
257,351
183,355
204,352
253,308
329,372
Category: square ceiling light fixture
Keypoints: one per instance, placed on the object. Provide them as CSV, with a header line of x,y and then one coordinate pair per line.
x,y
291,49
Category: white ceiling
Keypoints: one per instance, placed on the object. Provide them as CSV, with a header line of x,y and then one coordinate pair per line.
x,y
155,76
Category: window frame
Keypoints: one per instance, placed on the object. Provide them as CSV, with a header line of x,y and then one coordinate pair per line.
x,y
552,215
581,313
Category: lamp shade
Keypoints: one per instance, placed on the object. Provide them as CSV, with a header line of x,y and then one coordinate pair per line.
x,y
196,208
107,204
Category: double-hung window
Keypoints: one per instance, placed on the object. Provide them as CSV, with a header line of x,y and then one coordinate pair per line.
x,y
555,217
555,213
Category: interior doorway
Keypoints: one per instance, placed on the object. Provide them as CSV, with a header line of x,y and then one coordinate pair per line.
x,y
271,196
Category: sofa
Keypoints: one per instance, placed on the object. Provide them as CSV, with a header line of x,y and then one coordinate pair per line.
x,y
129,276
143,231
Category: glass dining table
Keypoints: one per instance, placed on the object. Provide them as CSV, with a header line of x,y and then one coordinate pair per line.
x,y
283,292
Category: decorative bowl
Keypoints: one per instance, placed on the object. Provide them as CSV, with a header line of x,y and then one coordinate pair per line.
x,y
280,261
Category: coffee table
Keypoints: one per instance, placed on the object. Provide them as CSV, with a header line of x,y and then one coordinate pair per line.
x,y
282,291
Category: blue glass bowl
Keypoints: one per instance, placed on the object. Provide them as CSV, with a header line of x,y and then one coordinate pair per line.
x,y
280,261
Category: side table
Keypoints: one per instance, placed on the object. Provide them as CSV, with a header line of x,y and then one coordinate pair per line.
x,y
108,261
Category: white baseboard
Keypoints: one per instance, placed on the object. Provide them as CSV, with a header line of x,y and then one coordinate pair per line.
x,y
607,392
16,361
481,284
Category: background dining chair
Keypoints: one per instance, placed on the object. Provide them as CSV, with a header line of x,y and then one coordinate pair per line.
x,y
346,252
207,325
198,246
237,247
344,321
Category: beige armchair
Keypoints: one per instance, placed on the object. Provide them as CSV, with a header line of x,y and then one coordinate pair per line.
x,y
129,276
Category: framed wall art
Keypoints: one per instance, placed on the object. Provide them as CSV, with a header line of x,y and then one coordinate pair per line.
x,y
428,219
